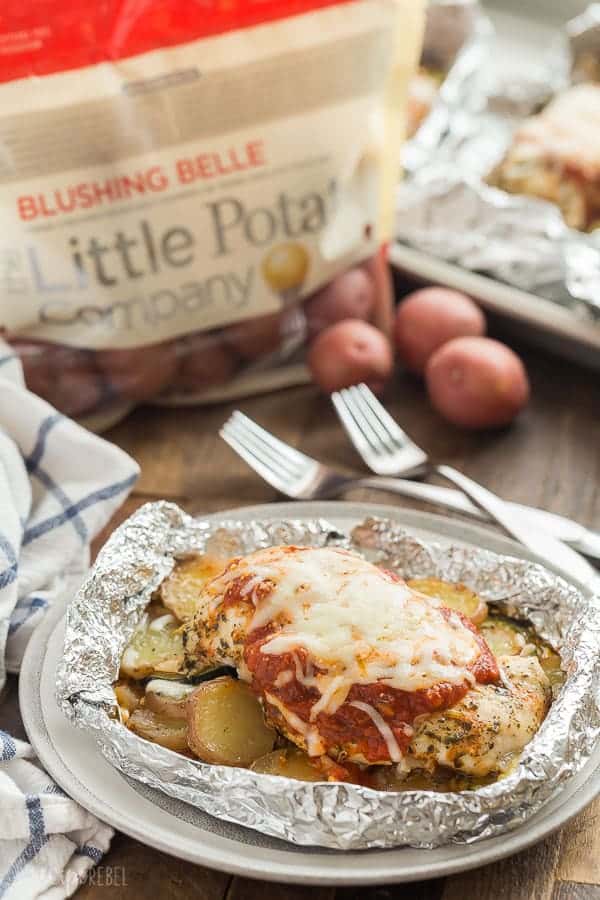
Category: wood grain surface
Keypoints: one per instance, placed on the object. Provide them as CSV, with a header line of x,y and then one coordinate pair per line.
x,y
550,458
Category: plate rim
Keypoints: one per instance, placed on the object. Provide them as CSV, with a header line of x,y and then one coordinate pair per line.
x,y
251,865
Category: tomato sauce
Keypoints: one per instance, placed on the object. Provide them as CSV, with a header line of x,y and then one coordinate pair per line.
x,y
350,730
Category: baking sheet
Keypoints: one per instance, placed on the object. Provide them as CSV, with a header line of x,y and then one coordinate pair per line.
x,y
524,33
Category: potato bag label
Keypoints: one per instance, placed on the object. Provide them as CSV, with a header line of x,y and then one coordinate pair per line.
x,y
149,196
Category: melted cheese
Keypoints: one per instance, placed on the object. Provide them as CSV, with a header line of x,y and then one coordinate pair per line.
x,y
354,623
162,622
569,129
382,727
173,689
310,733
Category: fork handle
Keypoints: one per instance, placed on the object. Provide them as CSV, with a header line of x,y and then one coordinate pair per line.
x,y
560,527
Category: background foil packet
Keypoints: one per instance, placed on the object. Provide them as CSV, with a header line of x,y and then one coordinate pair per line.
x,y
142,552
456,43
446,209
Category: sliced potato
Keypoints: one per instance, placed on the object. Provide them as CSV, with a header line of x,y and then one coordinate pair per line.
x,y
128,696
551,664
388,778
454,596
156,648
155,610
503,636
167,698
168,732
226,723
507,637
288,762
180,590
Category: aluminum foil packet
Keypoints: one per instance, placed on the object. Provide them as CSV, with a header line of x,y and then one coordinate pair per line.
x,y
446,209
456,42
142,552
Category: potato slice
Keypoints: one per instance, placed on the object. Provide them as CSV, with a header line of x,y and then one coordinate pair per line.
x,y
550,662
504,637
454,596
180,590
226,723
128,694
388,778
168,732
167,698
288,762
156,648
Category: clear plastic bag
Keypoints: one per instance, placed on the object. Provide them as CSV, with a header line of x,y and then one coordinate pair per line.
x,y
191,192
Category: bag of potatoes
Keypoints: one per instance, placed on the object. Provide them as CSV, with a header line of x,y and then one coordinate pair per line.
x,y
191,191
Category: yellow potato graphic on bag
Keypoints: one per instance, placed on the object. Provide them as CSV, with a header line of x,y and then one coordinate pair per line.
x,y
284,269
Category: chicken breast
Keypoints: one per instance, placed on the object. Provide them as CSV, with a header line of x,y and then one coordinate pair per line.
x,y
343,655
489,727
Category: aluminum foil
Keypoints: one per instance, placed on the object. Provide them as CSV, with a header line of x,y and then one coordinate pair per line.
x,y
142,552
446,209
456,42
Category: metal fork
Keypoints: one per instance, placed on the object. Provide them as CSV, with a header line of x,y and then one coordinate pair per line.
x,y
379,439
283,467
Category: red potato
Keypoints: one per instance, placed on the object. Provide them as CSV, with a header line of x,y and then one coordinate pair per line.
x,y
205,361
428,318
64,376
477,382
254,338
350,296
138,373
348,353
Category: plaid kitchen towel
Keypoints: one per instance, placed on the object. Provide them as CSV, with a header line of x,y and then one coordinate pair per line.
x,y
59,485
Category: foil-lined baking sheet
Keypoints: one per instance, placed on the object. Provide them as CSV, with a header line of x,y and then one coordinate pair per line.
x,y
446,209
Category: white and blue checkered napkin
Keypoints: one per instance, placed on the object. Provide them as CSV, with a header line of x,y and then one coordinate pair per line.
x,y
59,485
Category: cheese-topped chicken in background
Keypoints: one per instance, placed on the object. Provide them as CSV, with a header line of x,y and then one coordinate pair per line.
x,y
350,662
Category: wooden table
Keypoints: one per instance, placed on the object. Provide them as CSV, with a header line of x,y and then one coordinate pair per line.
x,y
550,458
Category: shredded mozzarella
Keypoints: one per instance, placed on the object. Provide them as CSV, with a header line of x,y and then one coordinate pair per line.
x,y
342,622
284,678
161,622
383,728
174,689
130,658
314,744
358,625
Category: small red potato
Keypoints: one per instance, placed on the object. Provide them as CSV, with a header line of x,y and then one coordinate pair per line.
x,y
256,337
349,296
477,382
205,361
348,353
64,376
138,373
431,317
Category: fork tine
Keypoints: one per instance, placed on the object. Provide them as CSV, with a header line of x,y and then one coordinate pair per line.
x,y
390,424
364,420
354,431
265,471
280,447
386,442
262,450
